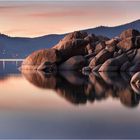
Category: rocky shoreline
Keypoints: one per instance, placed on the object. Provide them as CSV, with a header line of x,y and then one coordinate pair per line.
x,y
84,52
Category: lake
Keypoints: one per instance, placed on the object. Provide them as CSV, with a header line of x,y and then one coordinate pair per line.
x,y
67,105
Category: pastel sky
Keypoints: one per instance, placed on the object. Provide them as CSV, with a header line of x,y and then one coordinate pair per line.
x,y
34,18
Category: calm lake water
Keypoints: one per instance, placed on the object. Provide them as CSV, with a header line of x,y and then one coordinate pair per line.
x,y
68,105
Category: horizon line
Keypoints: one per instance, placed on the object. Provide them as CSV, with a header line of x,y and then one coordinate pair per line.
x,y
68,32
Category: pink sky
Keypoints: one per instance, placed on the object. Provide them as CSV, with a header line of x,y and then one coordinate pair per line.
x,y
41,18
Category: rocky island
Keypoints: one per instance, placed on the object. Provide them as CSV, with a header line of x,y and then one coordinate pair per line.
x,y
79,51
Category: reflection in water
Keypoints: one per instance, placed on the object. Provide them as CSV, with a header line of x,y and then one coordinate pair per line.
x,y
7,68
87,106
78,89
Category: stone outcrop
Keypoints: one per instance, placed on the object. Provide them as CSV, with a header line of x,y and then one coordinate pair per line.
x,y
85,52
40,59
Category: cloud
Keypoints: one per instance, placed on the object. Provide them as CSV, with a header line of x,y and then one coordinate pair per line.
x,y
55,14
8,7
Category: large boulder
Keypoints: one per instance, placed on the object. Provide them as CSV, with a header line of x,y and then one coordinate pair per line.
x,y
37,58
69,48
100,58
129,39
129,33
75,35
114,64
73,63
79,43
127,44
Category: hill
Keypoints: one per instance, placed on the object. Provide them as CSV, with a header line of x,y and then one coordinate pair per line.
x,y
20,47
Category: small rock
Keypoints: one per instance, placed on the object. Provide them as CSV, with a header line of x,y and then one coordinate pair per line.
x,y
112,42
96,68
86,70
99,47
90,48
89,55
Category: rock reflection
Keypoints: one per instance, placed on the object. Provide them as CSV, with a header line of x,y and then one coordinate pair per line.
x,y
80,89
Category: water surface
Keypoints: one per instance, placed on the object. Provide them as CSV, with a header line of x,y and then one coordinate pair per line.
x,y
67,105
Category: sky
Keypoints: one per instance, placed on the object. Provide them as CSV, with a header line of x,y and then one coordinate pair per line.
x,y
37,18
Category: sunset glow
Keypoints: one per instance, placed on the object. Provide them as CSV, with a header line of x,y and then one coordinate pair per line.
x,y
41,18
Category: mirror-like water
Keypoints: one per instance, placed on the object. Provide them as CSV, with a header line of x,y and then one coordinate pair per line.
x,y
67,105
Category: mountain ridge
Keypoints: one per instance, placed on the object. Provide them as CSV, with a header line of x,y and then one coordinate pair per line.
x,y
86,29
20,47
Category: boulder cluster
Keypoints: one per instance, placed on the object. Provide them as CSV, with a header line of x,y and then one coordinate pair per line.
x,y
73,52
88,53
